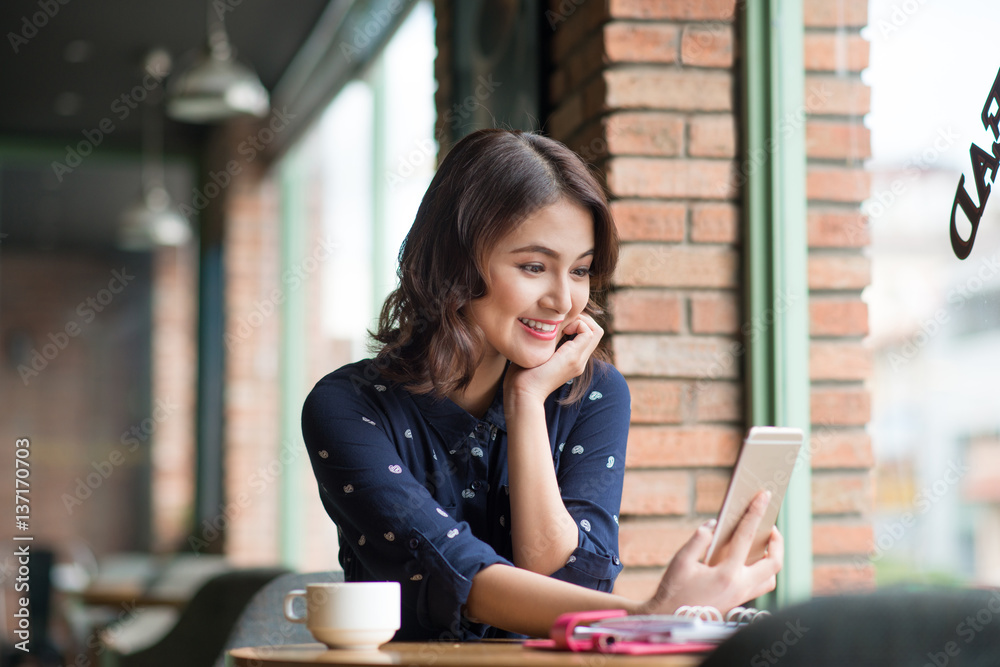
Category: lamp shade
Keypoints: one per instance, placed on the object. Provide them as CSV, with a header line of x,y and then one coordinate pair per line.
x,y
151,222
214,89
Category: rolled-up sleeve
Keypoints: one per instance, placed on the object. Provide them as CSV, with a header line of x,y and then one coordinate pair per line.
x,y
387,518
590,474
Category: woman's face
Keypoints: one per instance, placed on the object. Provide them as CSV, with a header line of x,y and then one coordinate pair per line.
x,y
539,278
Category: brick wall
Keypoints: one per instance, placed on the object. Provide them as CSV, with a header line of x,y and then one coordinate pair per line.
x,y
646,90
837,143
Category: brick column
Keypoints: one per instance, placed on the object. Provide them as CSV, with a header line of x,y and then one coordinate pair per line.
x,y
174,370
645,90
837,143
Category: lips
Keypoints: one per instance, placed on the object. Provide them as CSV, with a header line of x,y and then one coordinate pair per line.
x,y
544,329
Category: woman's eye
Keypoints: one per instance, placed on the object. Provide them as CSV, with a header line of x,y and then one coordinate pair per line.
x,y
582,272
532,268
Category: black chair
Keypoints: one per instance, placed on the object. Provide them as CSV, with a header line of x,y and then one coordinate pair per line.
x,y
939,628
263,621
202,628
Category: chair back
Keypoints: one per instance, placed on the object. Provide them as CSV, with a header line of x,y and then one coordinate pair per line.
x,y
889,628
263,621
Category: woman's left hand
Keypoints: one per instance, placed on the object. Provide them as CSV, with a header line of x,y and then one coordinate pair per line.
x,y
568,362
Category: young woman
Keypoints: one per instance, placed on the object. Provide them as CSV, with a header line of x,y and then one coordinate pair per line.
x,y
478,459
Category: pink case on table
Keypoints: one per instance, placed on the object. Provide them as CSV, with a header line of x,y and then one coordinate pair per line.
x,y
562,639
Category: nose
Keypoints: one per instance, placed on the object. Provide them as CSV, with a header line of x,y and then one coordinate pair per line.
x,y
558,296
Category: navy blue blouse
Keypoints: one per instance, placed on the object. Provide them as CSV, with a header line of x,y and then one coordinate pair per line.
x,y
418,488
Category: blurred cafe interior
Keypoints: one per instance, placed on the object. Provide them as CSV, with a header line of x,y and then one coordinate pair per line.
x,y
202,201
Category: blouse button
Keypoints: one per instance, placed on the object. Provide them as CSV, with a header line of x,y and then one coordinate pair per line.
x,y
477,485
414,543
614,559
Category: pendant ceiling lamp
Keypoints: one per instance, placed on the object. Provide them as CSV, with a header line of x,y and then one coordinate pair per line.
x,y
153,220
216,87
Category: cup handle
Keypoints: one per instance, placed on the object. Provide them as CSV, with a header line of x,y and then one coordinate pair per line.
x,y
289,612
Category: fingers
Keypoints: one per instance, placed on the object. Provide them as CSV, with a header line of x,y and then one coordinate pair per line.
x,y
696,547
746,529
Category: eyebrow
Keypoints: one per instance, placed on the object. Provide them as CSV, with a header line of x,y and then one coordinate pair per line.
x,y
546,251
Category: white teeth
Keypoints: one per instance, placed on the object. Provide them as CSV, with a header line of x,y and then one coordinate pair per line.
x,y
540,327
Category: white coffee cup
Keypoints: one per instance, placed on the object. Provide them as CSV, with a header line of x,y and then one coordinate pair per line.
x,y
356,615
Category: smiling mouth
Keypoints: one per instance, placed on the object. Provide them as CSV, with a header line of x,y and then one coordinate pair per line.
x,y
539,328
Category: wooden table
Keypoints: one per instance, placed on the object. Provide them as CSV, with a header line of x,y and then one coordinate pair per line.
x,y
467,654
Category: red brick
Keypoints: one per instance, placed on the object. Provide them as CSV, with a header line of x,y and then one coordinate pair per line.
x,y
840,448
660,492
840,14
841,406
649,220
834,360
715,223
841,538
697,357
646,310
712,136
655,401
651,177
669,89
838,317
653,265
637,583
708,47
626,42
683,446
838,184
835,52
837,96
681,10
709,490
837,228
718,401
841,493
653,541
831,579
834,140
645,133
839,272
715,313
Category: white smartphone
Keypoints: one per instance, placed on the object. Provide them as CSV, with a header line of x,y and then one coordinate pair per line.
x,y
765,463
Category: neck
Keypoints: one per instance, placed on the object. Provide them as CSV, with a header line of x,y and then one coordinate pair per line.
x,y
477,397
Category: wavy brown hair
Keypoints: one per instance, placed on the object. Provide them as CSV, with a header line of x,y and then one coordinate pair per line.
x,y
485,187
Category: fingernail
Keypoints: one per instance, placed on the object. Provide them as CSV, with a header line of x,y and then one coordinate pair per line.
x,y
710,524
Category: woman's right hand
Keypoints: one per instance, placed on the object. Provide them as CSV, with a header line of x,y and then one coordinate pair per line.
x,y
728,583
